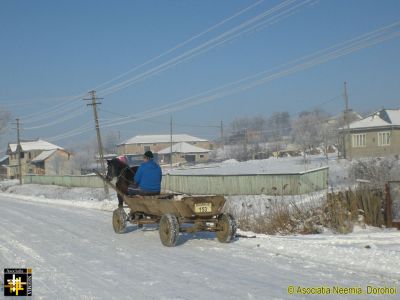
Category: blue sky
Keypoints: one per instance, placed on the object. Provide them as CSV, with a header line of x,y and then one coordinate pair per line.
x,y
52,50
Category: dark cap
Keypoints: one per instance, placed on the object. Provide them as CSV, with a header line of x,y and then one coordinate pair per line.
x,y
148,154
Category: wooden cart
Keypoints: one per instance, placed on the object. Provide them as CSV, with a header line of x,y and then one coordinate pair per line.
x,y
176,213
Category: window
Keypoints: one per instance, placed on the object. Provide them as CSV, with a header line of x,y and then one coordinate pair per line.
x,y
146,148
383,138
201,156
22,154
359,140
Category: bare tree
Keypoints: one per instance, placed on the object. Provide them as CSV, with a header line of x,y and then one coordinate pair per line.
x,y
110,141
376,171
307,130
278,126
84,155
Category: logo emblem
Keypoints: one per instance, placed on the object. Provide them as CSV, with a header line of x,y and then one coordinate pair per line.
x,y
17,282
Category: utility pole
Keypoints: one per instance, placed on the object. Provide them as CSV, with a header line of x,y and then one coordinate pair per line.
x,y
245,141
94,104
170,142
19,152
222,135
347,152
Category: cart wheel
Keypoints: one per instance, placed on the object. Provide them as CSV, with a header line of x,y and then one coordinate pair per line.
x,y
119,220
227,228
169,230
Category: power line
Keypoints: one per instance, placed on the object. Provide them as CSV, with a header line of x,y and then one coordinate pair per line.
x,y
180,45
222,38
58,121
56,110
66,101
350,46
305,62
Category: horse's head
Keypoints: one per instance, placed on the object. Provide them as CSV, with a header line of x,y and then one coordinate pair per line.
x,y
114,168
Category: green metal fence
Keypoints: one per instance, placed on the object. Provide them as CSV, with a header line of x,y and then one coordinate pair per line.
x,y
252,184
91,181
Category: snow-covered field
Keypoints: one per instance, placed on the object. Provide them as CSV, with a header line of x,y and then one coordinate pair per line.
x,y
74,254
65,236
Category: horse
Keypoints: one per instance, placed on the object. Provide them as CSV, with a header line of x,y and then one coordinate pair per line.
x,y
124,174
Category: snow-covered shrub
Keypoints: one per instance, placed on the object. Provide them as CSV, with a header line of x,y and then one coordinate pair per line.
x,y
280,215
375,172
306,214
344,209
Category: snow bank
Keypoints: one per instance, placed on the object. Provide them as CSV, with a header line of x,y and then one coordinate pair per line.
x,y
94,198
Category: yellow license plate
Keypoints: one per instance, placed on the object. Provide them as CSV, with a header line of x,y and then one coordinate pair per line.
x,y
202,208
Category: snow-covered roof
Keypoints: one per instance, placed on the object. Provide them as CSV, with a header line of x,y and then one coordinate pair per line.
x,y
183,148
162,138
289,165
35,145
352,115
3,159
381,118
44,155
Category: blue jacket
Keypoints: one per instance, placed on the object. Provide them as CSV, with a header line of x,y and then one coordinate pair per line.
x,y
148,176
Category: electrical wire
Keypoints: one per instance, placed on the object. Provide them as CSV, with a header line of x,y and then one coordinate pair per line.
x,y
366,40
350,46
65,101
206,46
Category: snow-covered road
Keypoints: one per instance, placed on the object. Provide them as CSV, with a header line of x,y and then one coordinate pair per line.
x,y
75,254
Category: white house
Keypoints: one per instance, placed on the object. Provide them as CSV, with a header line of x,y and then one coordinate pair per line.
x,y
182,153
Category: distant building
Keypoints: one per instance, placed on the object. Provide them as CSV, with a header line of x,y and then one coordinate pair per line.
x,y
183,153
142,143
376,135
39,157
339,119
53,162
4,161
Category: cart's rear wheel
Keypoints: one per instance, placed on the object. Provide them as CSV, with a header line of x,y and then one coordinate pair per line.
x,y
227,228
169,230
119,220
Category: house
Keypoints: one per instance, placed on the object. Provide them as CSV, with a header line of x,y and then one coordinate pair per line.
x,y
142,143
183,153
375,135
33,151
4,161
54,162
339,119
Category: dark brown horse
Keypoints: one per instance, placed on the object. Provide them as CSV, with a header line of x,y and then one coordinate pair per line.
x,y
124,174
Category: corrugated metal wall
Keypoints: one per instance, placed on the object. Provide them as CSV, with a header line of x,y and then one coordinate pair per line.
x,y
66,180
267,184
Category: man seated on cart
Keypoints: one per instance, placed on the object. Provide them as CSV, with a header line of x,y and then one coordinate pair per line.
x,y
148,177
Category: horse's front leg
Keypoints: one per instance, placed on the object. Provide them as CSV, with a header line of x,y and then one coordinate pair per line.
x,y
120,201
121,189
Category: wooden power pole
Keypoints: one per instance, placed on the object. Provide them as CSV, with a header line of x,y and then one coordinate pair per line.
x,y
170,142
94,104
19,152
347,152
222,135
